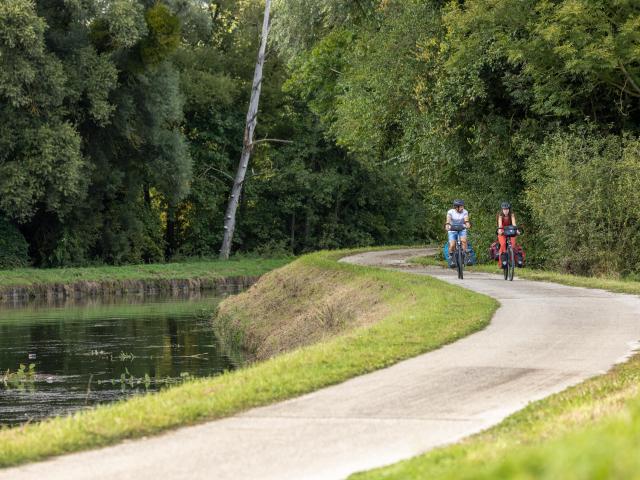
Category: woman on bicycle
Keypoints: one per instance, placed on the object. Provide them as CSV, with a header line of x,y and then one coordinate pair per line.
x,y
457,216
505,217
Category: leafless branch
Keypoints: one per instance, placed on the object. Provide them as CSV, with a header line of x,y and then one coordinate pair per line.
x,y
629,78
624,89
206,170
275,140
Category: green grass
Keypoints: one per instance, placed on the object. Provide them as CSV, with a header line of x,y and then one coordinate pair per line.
x,y
590,431
430,261
166,271
418,322
611,284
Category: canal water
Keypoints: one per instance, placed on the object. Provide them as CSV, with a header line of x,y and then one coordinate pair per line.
x,y
99,351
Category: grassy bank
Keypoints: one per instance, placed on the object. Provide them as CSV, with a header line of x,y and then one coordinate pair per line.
x,y
53,285
303,303
611,284
167,271
586,432
412,318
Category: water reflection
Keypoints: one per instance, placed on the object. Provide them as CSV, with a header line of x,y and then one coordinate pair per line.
x,y
92,352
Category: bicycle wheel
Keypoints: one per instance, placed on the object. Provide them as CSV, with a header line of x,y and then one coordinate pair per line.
x,y
505,268
512,264
459,261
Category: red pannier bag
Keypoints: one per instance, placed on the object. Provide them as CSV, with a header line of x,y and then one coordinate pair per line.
x,y
520,255
494,251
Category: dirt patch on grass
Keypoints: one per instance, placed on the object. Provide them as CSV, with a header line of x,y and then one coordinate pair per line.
x,y
298,305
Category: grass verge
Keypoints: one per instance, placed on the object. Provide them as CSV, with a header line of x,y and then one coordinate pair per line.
x,y
589,431
611,284
416,321
300,304
169,271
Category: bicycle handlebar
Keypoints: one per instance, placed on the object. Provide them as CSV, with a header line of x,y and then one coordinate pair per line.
x,y
456,228
511,231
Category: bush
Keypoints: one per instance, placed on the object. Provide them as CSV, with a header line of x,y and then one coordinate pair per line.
x,y
584,194
14,250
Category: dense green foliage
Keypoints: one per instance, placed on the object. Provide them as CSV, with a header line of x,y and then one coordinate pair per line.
x,y
532,101
13,246
121,124
600,174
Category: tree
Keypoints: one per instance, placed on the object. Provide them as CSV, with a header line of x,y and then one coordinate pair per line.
x,y
300,24
252,117
41,162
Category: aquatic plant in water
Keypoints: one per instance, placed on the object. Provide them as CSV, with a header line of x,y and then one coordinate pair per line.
x,y
98,353
123,356
129,380
20,377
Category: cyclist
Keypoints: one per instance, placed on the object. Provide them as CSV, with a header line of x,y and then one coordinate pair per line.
x,y
460,217
505,218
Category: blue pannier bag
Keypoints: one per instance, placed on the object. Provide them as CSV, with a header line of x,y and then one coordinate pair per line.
x,y
471,257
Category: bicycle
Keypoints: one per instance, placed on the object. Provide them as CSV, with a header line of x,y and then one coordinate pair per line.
x,y
459,253
510,231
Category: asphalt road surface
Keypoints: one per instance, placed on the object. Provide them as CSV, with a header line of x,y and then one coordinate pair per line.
x,y
544,338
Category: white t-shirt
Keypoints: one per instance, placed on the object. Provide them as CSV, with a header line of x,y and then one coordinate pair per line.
x,y
457,218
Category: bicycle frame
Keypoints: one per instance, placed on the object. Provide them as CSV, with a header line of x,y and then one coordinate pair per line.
x,y
510,232
460,253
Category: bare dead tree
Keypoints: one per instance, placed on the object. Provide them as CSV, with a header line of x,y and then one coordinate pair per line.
x,y
252,117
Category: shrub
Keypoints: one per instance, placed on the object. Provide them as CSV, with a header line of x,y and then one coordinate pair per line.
x,y
584,194
13,246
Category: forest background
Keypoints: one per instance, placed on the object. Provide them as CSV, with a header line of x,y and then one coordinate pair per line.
x,y
121,124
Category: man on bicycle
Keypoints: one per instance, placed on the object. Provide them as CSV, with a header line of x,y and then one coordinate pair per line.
x,y
457,216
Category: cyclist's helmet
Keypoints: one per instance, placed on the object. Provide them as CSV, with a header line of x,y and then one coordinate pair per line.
x,y
458,203
505,205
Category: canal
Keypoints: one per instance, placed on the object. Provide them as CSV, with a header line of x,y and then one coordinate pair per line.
x,y
79,354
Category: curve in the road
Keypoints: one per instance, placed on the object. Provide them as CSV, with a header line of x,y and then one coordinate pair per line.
x,y
544,338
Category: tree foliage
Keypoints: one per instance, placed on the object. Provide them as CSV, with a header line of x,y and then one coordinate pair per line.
x,y
122,122
600,175
90,125
467,96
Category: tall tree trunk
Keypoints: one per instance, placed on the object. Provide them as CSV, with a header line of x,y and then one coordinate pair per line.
x,y
252,117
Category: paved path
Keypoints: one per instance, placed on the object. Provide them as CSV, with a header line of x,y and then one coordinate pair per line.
x,y
544,338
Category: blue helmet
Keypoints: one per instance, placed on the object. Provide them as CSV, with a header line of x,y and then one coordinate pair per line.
x,y
505,205
458,203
